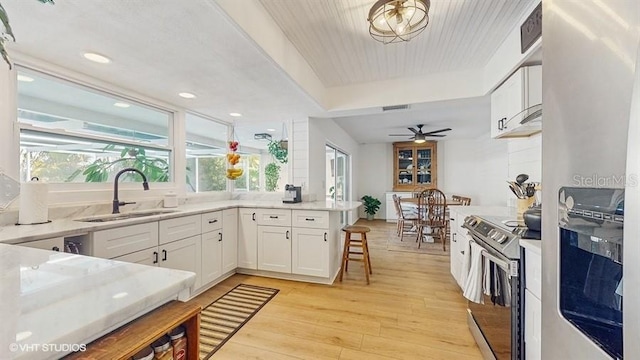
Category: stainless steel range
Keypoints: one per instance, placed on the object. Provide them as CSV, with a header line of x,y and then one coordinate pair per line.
x,y
496,323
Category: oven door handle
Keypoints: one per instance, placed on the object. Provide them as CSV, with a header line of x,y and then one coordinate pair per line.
x,y
511,267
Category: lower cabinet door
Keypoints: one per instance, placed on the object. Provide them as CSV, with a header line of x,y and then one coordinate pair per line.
x,y
247,239
274,248
532,326
211,256
229,240
183,255
310,252
144,257
55,244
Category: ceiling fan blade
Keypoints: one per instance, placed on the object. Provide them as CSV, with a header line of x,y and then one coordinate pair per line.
x,y
413,130
437,131
400,134
434,135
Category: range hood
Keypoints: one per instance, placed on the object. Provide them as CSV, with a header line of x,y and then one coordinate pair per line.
x,y
526,123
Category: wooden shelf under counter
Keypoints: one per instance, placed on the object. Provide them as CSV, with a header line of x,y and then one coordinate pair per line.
x,y
131,338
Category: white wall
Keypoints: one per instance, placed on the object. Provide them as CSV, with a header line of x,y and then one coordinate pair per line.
x,y
477,168
321,133
375,173
525,157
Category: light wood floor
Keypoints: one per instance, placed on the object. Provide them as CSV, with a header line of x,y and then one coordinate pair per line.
x,y
413,309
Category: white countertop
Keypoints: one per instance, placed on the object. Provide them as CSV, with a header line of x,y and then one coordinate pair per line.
x,y
483,210
14,234
533,245
49,297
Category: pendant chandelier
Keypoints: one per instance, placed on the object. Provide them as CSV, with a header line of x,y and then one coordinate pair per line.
x,y
393,21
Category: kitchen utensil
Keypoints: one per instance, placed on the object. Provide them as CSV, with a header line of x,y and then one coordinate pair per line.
x,y
530,190
533,218
520,179
516,189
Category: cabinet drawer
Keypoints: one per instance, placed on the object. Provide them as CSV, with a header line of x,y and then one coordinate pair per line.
x,y
533,273
274,217
310,219
211,221
55,244
180,228
124,240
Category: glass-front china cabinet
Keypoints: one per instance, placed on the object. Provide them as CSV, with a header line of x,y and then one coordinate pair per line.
x,y
414,165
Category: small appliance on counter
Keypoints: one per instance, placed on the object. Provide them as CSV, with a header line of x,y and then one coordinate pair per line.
x,y
292,194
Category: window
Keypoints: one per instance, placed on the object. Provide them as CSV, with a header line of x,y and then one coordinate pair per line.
x,y
72,133
206,150
338,177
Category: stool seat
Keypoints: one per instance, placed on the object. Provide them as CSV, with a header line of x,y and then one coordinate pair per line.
x,y
357,243
356,229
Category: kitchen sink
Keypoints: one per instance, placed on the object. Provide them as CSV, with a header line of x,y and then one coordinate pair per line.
x,y
131,215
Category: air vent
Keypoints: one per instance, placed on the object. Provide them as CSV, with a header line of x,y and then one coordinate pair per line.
x,y
262,136
395,107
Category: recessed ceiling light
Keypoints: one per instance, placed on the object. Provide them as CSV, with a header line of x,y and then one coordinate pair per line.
x,y
186,95
235,114
121,105
24,78
97,58
271,130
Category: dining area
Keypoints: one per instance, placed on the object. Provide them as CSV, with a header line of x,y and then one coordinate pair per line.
x,y
424,215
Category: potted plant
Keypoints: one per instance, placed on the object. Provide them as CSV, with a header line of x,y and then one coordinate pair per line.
x,y
371,206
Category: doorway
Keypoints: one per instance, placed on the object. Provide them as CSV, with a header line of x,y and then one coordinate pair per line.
x,y
338,178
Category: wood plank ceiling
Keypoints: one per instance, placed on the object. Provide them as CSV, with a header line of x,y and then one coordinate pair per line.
x,y
333,37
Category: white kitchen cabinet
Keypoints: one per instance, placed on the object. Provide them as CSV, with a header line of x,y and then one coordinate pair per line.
x,y
148,257
532,304
274,248
211,221
247,239
211,257
273,217
180,228
116,242
310,219
532,326
459,245
182,255
522,90
229,240
310,252
55,244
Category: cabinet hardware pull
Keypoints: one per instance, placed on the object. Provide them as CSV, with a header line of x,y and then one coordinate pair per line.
x,y
220,236
310,219
287,234
462,252
454,237
55,248
253,216
213,221
273,217
164,255
155,257
325,236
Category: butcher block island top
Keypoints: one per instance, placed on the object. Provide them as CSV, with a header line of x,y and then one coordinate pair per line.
x,y
53,302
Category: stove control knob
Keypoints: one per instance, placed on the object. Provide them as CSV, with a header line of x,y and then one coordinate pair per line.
x,y
491,233
502,238
472,221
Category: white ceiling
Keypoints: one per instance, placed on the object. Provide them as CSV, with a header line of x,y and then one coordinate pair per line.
x,y
163,47
333,36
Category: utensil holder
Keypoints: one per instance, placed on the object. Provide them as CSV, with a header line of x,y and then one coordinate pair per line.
x,y
521,206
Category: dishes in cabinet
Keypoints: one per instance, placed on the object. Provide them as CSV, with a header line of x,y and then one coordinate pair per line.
x,y
410,166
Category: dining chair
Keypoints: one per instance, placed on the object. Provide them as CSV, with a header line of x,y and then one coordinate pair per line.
x,y
405,219
463,200
432,209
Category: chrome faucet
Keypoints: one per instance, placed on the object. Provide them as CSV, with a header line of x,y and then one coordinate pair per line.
x,y
117,203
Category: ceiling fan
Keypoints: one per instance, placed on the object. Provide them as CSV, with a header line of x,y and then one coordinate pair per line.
x,y
419,137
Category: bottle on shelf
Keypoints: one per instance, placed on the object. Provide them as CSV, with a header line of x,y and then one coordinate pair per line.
x,y
162,349
179,343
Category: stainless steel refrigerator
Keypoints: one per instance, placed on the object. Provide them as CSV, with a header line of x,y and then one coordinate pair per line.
x,y
590,66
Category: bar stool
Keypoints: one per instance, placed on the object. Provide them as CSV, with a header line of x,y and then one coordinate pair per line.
x,y
361,243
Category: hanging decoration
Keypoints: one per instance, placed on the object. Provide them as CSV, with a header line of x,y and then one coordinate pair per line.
x,y
233,158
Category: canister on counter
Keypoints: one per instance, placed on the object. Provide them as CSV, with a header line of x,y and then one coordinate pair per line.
x,y
179,343
163,349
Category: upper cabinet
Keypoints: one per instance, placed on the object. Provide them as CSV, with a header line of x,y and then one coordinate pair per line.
x,y
414,165
516,105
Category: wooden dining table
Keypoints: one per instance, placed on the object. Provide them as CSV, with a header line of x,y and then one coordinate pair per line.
x,y
414,200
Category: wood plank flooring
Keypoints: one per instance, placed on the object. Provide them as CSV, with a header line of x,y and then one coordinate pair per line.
x,y
413,309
